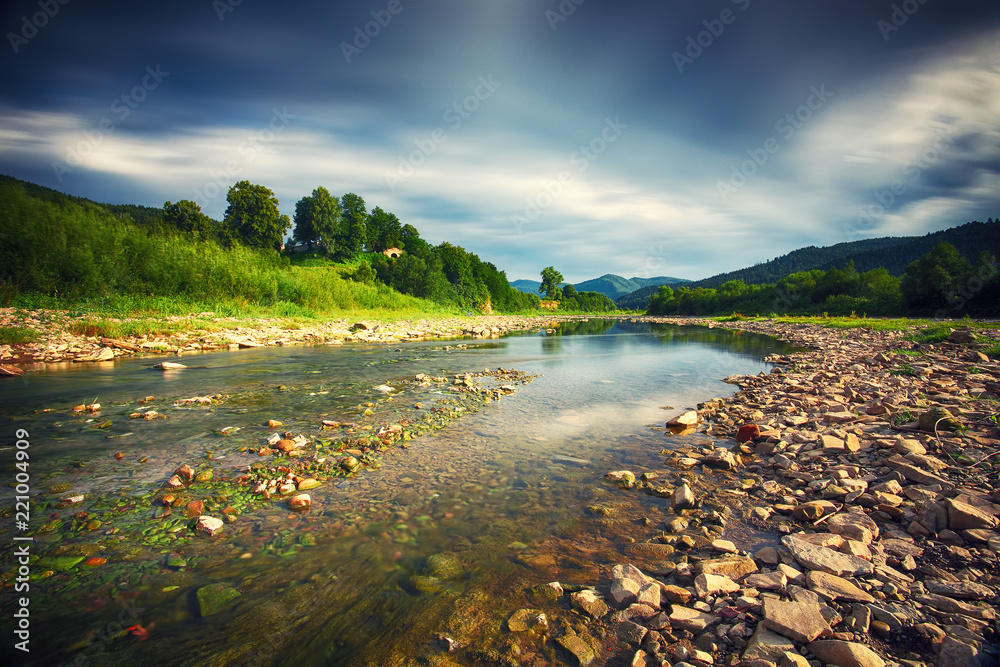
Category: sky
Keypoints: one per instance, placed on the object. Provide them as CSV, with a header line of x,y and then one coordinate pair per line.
x,y
680,138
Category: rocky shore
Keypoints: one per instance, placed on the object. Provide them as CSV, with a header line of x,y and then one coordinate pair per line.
x,y
58,340
844,512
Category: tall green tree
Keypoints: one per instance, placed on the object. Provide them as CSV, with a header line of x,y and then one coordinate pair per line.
x,y
316,220
383,230
551,279
186,216
351,231
253,218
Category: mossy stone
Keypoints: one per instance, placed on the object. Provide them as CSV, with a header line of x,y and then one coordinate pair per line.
x,y
213,597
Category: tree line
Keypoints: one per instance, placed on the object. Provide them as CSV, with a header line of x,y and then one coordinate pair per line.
x,y
942,283
342,229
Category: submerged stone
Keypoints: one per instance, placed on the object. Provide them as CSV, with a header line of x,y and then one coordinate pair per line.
x,y
213,597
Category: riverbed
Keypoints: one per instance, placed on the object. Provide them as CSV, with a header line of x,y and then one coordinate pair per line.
x,y
427,546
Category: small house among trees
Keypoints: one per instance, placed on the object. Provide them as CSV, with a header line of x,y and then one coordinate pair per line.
x,y
393,253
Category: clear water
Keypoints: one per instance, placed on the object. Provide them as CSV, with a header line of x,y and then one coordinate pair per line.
x,y
502,493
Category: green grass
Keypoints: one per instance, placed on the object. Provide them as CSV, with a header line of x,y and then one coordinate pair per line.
x,y
18,336
993,351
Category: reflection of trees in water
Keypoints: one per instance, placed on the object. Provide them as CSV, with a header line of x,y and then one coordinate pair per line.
x,y
745,344
589,326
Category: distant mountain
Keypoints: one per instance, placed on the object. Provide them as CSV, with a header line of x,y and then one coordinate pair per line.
x,y
610,285
893,253
528,286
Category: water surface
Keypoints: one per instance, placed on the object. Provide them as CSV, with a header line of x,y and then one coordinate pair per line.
x,y
443,539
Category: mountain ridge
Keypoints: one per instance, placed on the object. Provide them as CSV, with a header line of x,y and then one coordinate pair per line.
x,y
892,253
610,285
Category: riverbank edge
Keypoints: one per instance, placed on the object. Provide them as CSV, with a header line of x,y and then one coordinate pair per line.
x,y
57,344
822,452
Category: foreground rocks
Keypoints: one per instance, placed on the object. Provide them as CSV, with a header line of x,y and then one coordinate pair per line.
x,y
875,540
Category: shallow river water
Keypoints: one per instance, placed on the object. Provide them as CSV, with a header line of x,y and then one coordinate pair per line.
x,y
441,536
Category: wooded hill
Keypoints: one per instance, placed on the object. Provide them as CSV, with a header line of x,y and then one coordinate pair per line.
x,y
892,253
59,250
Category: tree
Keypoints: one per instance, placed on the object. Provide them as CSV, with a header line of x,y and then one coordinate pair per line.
x,y
931,283
551,279
351,236
186,216
252,217
383,230
316,219
569,292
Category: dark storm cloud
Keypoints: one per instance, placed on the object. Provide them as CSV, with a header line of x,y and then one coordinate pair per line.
x,y
372,89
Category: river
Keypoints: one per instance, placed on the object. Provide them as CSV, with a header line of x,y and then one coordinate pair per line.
x,y
434,541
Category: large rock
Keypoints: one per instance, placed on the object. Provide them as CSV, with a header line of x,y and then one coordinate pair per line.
x,y
208,525
915,474
722,459
213,597
734,567
689,418
588,602
963,516
963,590
856,526
834,588
713,584
649,595
799,621
623,478
813,510
766,645
952,606
956,653
692,620
826,560
578,650
624,591
767,581
747,433
682,498
845,654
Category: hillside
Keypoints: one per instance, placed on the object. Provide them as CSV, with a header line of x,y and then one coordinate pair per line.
x,y
610,285
144,216
893,253
63,251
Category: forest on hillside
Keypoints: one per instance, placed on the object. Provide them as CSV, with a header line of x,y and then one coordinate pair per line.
x,y
941,284
65,248
893,254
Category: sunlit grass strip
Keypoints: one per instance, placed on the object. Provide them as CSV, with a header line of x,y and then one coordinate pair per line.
x,y
18,336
